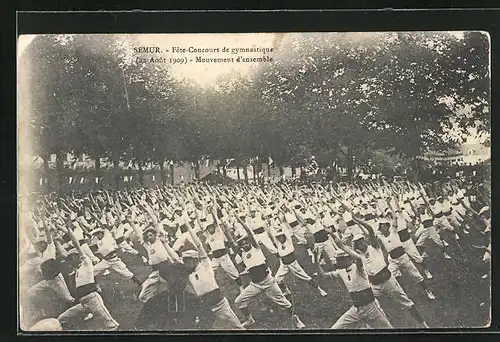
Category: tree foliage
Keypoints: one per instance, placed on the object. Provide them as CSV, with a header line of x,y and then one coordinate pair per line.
x,y
334,96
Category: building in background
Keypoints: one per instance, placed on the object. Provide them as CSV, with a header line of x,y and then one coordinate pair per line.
x,y
466,154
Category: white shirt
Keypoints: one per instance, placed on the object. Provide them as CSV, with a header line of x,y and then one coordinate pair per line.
x,y
373,261
400,222
256,222
446,206
78,231
49,252
156,252
203,278
391,242
286,247
436,208
85,272
183,238
354,279
254,257
327,220
290,217
107,244
216,240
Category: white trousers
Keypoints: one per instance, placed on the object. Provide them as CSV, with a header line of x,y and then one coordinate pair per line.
x,y
94,304
296,270
269,287
369,316
391,288
403,264
225,318
125,246
227,265
412,251
115,264
88,252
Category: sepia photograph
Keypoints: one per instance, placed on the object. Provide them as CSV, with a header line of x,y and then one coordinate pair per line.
x,y
254,181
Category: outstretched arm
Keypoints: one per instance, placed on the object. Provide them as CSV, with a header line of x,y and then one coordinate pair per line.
x,y
198,244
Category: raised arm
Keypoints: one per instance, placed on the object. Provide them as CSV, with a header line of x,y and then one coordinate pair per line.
x,y
73,238
198,244
346,249
249,232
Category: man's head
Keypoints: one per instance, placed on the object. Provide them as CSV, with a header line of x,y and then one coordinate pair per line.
x,y
384,226
73,260
281,237
211,228
98,233
149,235
190,259
343,260
253,212
40,245
359,244
244,243
177,275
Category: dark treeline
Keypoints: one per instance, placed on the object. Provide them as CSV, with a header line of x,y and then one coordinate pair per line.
x,y
348,99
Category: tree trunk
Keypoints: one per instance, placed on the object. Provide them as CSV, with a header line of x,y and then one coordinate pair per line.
x,y
238,171
172,181
97,171
46,158
294,171
350,162
268,170
197,170
415,175
255,178
98,165
116,172
59,170
282,171
245,174
224,171
141,174
162,172
45,174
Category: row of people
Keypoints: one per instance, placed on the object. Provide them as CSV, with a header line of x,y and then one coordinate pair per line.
x,y
367,235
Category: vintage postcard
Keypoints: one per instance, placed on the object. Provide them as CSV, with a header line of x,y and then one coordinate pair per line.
x,y
257,181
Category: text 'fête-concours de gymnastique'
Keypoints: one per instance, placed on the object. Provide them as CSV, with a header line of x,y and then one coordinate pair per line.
x,y
191,54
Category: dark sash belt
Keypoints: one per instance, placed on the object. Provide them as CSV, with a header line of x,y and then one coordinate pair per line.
x,y
380,277
404,235
218,253
288,259
397,252
362,298
427,223
82,291
320,236
110,255
259,230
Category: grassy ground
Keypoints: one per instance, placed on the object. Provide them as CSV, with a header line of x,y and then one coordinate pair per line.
x,y
463,297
